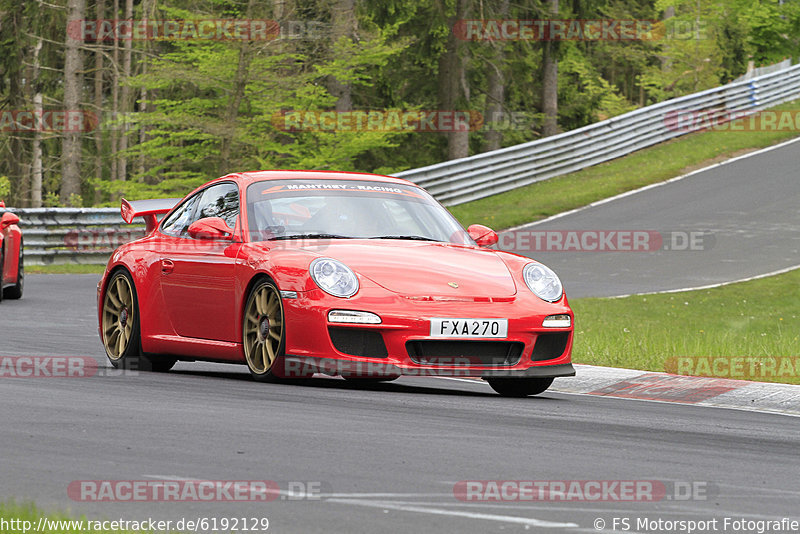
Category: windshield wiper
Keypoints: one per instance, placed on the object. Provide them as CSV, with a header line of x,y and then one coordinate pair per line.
x,y
309,236
409,237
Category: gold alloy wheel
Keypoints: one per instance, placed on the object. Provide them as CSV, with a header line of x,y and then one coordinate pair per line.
x,y
118,316
263,328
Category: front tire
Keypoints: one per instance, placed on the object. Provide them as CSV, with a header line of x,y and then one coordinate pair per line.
x,y
15,291
264,332
519,387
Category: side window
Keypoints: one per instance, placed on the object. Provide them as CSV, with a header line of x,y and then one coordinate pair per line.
x,y
220,201
178,222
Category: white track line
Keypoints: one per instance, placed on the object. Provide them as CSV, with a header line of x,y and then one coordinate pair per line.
x,y
651,186
710,286
528,521
388,505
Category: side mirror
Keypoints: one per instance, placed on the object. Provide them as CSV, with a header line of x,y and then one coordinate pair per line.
x,y
8,219
482,235
210,228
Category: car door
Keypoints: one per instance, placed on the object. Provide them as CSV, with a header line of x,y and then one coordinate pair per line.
x,y
197,275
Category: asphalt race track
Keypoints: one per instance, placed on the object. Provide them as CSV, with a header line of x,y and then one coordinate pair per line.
x,y
387,458
744,216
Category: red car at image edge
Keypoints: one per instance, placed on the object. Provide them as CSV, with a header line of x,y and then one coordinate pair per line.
x,y
12,272
358,275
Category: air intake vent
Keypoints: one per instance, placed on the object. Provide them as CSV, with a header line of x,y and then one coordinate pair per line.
x,y
550,346
362,342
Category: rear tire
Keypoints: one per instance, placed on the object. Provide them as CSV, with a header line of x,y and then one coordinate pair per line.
x,y
120,323
519,387
15,292
120,328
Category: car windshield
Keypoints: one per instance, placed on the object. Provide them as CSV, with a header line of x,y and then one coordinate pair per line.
x,y
347,209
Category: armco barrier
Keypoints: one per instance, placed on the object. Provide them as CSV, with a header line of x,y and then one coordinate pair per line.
x,y
457,181
72,235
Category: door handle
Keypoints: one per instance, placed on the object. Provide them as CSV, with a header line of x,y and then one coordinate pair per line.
x,y
167,266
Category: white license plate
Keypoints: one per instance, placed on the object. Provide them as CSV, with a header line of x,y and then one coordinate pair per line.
x,y
449,327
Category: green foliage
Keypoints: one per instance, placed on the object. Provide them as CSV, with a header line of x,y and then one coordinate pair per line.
x,y
5,187
213,106
756,319
585,95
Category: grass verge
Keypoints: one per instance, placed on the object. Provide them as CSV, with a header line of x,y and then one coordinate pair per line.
x,y
758,320
647,166
65,269
25,518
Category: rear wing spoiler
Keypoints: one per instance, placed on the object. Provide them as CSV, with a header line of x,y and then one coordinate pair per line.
x,y
149,209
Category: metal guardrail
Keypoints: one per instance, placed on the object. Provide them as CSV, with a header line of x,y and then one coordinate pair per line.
x,y
73,235
462,180
86,235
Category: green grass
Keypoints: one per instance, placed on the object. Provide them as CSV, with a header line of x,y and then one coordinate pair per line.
x,y
647,166
756,319
29,512
65,269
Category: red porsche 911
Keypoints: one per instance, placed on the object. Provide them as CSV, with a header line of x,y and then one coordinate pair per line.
x,y
300,272
12,272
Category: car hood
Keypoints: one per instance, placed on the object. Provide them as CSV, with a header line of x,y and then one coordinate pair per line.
x,y
425,269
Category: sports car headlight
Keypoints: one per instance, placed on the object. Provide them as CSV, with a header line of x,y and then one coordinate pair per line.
x,y
543,282
334,277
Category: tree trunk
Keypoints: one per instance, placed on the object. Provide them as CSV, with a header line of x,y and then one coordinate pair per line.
x,y
344,24
115,98
73,84
147,8
235,100
98,104
36,151
122,168
15,76
550,81
453,88
669,12
495,92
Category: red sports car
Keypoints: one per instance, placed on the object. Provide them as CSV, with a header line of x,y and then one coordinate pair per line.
x,y
12,274
300,272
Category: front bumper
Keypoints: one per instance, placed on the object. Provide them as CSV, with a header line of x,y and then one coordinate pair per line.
x,y
397,346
